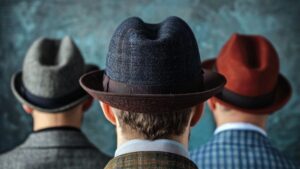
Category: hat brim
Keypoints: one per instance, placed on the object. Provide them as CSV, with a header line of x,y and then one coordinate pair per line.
x,y
16,86
151,103
283,92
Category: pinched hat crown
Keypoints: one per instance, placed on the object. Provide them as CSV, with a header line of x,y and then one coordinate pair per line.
x,y
52,68
49,79
163,54
251,66
153,68
255,59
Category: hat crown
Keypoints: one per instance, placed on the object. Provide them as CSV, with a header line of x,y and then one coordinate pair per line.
x,y
250,65
51,68
153,54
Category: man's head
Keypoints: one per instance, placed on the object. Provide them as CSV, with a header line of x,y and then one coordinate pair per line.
x,y
153,85
71,117
151,126
254,88
48,84
225,114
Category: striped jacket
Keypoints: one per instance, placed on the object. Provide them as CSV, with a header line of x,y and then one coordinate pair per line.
x,y
54,149
240,149
150,160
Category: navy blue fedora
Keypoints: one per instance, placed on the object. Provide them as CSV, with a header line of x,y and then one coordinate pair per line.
x,y
153,67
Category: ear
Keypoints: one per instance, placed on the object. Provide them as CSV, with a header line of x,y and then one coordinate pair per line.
x,y
197,114
108,113
87,104
27,109
211,104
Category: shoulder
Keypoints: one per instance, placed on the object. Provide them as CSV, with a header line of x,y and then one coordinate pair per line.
x,y
240,152
95,155
200,153
12,157
148,159
90,156
13,152
275,156
37,157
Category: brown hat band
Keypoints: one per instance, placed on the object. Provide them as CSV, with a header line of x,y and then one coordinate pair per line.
x,y
110,85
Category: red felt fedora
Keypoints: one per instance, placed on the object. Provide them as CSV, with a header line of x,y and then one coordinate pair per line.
x,y
251,66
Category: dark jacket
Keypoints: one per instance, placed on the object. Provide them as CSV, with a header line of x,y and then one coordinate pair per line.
x,y
55,148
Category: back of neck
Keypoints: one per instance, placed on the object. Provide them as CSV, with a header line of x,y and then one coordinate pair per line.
x,y
43,120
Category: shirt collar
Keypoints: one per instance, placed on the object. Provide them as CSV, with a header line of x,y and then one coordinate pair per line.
x,y
163,145
240,126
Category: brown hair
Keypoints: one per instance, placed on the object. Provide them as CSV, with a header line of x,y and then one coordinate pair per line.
x,y
154,126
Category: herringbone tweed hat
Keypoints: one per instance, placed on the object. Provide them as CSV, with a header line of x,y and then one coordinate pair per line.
x,y
49,79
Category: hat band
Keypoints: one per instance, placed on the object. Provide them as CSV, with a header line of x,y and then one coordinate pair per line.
x,y
246,101
51,103
113,86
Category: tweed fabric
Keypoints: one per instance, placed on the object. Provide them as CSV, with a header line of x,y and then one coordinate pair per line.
x,y
53,150
240,149
254,61
153,68
49,79
150,160
51,68
160,54
250,59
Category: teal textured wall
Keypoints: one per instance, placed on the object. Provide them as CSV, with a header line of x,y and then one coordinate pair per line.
x,y
91,24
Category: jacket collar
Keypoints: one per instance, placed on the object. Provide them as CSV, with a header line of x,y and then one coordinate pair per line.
x,y
63,128
57,137
240,126
146,159
242,137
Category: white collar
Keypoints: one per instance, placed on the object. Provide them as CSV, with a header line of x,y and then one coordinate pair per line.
x,y
240,126
163,145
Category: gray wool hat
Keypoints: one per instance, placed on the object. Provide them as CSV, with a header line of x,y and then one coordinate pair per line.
x,y
49,79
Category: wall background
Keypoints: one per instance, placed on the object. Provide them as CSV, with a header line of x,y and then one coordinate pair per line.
x,y
91,24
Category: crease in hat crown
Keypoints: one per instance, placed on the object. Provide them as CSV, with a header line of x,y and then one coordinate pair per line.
x,y
51,68
249,55
153,68
250,64
153,54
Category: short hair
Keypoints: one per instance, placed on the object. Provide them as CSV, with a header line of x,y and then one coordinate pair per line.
x,y
153,126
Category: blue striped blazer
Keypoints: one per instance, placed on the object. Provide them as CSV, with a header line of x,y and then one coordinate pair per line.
x,y
240,149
